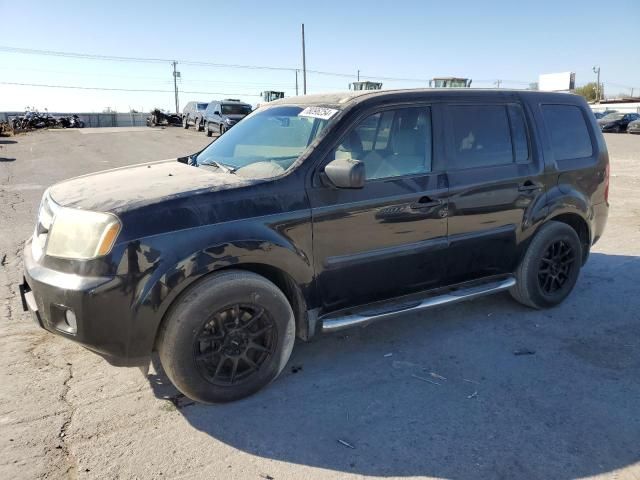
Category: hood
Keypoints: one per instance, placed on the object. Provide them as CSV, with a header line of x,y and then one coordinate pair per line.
x,y
127,188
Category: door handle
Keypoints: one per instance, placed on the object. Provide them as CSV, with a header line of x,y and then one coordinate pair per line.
x,y
529,186
425,202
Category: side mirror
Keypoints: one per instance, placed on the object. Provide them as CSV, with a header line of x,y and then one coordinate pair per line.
x,y
216,113
346,173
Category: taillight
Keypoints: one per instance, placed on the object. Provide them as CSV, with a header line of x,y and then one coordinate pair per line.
x,y
606,183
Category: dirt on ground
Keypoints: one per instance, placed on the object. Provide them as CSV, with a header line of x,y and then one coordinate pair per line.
x,y
485,389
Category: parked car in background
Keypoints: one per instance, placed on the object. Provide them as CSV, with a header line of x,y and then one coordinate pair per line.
x,y
634,127
617,122
159,117
192,114
316,214
70,121
598,115
221,115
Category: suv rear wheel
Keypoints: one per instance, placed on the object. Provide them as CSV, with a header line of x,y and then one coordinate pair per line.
x,y
185,123
207,128
228,337
549,269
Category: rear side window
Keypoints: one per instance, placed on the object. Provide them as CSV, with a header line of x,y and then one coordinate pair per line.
x,y
568,131
482,136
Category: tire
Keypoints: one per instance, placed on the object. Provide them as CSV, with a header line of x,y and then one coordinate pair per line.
x,y
208,130
222,128
185,122
203,325
543,260
196,124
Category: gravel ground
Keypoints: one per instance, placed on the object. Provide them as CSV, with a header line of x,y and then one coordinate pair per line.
x,y
348,406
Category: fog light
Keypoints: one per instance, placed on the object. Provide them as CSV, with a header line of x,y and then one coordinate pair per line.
x,y
70,319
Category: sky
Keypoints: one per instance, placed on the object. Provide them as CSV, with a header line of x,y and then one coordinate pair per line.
x,y
511,41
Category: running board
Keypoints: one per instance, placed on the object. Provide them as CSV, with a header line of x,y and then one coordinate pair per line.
x,y
414,303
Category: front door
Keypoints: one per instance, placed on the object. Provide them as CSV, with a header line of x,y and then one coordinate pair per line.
x,y
387,238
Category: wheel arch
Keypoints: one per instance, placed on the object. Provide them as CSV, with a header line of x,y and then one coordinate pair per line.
x,y
580,226
280,278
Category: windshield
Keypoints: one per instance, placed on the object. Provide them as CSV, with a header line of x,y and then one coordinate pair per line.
x,y
614,116
265,144
202,106
235,109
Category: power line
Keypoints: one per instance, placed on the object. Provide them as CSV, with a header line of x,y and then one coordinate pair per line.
x,y
88,56
76,87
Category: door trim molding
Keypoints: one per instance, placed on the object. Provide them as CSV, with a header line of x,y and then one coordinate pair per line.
x,y
386,253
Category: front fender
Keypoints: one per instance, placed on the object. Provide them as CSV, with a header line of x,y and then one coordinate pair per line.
x,y
191,255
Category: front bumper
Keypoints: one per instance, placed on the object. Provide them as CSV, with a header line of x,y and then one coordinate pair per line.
x,y
100,305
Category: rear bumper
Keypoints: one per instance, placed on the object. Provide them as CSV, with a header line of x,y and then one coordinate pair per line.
x,y
99,304
599,221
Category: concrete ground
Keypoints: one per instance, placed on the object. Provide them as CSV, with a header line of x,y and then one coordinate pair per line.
x,y
439,394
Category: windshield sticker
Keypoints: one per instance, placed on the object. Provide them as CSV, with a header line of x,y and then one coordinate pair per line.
x,y
318,112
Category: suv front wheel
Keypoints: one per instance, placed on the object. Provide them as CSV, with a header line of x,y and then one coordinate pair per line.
x,y
550,267
228,337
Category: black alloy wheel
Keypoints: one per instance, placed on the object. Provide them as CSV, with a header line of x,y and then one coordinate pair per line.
x,y
556,267
234,343
550,266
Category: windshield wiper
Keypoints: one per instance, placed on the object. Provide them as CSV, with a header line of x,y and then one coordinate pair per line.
x,y
193,160
225,168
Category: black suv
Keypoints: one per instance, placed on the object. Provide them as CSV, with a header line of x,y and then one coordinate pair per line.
x,y
221,115
319,213
193,113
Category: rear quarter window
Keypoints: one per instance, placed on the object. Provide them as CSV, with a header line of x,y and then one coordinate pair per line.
x,y
568,132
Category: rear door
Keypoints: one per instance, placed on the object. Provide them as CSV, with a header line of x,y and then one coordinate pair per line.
x,y
495,177
385,239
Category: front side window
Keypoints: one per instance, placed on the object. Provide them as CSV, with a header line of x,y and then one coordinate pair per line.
x,y
265,144
568,131
202,107
481,136
390,143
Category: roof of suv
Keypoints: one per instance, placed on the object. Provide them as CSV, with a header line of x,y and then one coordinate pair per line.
x,y
351,98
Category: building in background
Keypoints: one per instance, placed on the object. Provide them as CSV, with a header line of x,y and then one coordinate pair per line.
x,y
557,82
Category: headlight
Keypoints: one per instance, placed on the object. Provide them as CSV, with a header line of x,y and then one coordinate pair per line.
x,y
82,235
227,120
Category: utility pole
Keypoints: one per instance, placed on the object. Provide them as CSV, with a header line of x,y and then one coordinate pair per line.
x,y
304,65
596,70
358,75
296,82
175,85
497,83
